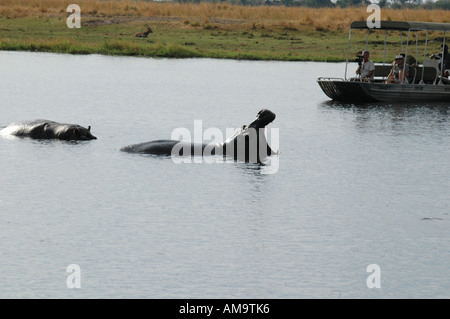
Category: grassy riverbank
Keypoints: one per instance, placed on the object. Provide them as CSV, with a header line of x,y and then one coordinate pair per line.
x,y
191,30
170,38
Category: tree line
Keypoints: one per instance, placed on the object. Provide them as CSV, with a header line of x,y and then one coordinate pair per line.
x,y
394,4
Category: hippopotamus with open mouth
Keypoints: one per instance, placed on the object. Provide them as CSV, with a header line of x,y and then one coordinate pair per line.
x,y
248,145
44,129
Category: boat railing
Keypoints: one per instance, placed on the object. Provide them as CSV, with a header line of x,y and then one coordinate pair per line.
x,y
426,73
326,78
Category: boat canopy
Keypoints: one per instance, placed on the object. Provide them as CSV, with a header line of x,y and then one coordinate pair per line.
x,y
404,25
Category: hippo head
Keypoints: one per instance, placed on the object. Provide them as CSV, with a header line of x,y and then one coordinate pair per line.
x,y
77,133
263,118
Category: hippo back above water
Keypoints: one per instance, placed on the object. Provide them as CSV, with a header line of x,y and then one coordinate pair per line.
x,y
45,129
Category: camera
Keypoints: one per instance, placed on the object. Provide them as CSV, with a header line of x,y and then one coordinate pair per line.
x,y
359,59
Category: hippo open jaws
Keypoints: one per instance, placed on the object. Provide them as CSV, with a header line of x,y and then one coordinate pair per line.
x,y
248,144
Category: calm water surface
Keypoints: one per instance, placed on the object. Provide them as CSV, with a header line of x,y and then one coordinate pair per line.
x,y
356,185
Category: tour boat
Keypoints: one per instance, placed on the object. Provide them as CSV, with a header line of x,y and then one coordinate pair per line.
x,y
426,82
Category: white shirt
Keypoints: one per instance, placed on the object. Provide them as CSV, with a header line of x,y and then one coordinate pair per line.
x,y
366,67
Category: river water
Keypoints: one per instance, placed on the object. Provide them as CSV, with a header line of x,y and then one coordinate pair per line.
x,y
357,205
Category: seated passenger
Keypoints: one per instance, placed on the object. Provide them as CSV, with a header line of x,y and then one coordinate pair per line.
x,y
438,56
411,61
396,75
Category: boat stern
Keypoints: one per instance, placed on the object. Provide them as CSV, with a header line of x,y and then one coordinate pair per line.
x,y
339,89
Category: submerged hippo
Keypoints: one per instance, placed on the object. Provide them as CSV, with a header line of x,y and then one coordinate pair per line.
x,y
249,144
44,129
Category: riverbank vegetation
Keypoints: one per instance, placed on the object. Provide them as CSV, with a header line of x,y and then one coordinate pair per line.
x,y
214,30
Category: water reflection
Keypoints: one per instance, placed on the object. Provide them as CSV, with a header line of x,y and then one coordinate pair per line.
x,y
269,166
399,118
441,107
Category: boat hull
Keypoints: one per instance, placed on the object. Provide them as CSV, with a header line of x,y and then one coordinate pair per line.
x,y
355,91
345,91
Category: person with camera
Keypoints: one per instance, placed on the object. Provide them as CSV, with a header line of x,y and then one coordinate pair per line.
x,y
366,67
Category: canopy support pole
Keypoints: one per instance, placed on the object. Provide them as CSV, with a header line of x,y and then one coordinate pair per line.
x,y
424,57
404,61
442,61
348,51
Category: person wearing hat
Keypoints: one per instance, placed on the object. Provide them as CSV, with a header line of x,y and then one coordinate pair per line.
x,y
396,75
367,67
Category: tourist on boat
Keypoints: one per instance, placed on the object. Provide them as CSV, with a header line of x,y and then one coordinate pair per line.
x,y
367,67
410,60
438,56
396,75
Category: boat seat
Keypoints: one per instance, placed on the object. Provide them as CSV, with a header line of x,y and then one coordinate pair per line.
x,y
430,74
382,70
434,64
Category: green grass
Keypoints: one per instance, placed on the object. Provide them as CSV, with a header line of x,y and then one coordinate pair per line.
x,y
182,39
169,39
